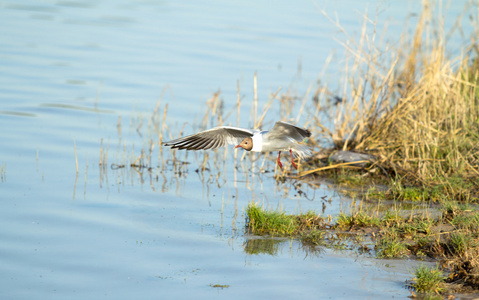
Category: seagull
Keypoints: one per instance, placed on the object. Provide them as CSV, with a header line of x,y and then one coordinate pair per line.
x,y
282,137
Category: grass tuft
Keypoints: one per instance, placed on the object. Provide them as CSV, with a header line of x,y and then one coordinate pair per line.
x,y
428,280
391,247
460,243
357,219
278,223
273,223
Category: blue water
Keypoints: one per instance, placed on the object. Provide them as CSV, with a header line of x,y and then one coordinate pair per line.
x,y
79,83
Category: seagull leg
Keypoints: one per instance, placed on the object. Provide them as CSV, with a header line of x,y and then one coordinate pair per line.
x,y
279,161
292,159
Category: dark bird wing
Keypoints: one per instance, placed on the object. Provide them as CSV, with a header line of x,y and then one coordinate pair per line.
x,y
282,129
211,139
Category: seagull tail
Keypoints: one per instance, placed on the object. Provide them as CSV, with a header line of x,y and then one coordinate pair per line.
x,y
300,150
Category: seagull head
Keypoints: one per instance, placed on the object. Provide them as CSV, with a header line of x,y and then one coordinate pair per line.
x,y
246,144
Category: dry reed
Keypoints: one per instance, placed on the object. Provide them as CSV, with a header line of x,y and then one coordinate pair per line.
x,y
419,113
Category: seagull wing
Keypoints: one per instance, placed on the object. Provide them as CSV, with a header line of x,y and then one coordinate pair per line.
x,y
211,139
283,129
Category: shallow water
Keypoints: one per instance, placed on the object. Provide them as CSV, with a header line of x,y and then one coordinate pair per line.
x,y
80,81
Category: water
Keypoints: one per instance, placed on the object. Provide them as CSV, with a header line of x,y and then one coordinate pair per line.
x,y
80,81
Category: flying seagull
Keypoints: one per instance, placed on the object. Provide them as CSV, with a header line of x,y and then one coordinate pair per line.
x,y
283,137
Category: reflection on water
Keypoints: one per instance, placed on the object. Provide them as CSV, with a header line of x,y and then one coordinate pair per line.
x,y
274,246
16,113
268,246
76,107
277,246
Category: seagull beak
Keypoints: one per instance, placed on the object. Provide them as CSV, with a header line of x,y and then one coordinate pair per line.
x,y
237,146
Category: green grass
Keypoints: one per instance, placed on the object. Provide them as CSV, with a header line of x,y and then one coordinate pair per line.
x,y
274,223
428,280
391,247
278,223
416,226
358,219
466,221
346,177
461,242
440,189
392,218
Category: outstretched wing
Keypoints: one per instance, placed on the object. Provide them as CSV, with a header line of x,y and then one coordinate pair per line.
x,y
281,129
211,139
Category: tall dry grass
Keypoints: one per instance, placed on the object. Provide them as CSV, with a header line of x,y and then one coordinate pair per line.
x,y
415,107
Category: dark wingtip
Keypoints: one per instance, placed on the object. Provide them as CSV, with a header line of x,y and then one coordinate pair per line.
x,y
309,132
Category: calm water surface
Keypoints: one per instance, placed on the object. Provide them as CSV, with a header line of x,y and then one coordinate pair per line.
x,y
82,79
